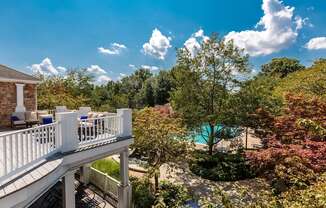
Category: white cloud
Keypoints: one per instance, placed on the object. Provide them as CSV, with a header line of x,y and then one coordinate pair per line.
x,y
157,45
46,68
132,66
279,30
151,68
121,75
61,69
193,42
95,69
316,43
115,49
102,79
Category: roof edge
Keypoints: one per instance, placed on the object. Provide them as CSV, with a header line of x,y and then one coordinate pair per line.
x,y
33,79
19,80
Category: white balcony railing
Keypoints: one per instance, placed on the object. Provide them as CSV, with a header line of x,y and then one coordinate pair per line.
x,y
95,130
23,148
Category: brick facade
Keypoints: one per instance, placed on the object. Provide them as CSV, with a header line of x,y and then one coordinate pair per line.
x,y
8,100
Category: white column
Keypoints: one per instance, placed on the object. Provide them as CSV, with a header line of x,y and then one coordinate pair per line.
x,y
69,190
20,98
126,122
85,172
69,130
124,189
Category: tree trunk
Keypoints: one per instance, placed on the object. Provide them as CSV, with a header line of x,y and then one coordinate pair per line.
x,y
211,139
156,181
246,137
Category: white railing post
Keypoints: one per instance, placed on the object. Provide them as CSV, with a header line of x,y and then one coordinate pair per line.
x,y
126,121
68,128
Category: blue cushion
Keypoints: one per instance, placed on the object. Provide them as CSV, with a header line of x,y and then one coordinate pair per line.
x,y
83,117
14,118
47,120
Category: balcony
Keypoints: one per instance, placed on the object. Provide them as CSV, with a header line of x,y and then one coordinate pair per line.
x,y
32,160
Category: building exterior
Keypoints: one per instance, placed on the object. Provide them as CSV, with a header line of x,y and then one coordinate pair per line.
x,y
18,93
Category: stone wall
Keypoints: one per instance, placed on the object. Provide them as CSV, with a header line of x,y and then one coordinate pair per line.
x,y
8,100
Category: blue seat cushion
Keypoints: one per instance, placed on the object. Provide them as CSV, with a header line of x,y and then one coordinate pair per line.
x,y
83,117
14,118
47,120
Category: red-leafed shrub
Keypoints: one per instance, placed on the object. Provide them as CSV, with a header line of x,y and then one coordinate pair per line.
x,y
296,149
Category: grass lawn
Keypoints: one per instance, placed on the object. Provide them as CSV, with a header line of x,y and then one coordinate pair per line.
x,y
108,166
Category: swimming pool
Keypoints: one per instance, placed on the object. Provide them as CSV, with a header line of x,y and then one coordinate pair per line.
x,y
201,136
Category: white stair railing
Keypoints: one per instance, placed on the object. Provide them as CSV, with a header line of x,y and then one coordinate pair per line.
x,y
23,148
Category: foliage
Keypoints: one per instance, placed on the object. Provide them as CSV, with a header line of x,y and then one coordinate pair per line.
x,y
294,151
309,82
256,106
204,83
282,67
71,91
293,172
220,166
311,197
298,108
142,192
171,195
76,88
160,138
108,166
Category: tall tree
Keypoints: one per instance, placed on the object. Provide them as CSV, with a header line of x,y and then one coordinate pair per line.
x,y
159,137
282,66
162,88
204,83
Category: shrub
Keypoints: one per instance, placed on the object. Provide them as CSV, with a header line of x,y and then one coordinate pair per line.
x,y
142,193
220,166
171,195
293,172
108,166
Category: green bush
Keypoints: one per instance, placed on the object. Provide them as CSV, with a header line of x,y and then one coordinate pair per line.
x,y
220,166
108,166
142,193
168,196
171,195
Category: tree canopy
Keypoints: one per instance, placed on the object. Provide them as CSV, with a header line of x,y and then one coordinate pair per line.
x,y
204,84
161,138
282,67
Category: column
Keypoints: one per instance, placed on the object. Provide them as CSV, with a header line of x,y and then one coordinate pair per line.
x,y
69,190
85,173
124,189
69,128
126,122
20,98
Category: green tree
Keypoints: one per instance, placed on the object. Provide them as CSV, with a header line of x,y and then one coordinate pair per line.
x,y
163,87
71,90
282,66
148,98
204,84
160,138
256,95
309,82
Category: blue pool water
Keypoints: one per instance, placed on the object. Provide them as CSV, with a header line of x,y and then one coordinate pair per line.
x,y
201,136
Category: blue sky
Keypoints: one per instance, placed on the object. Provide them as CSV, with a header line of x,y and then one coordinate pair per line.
x,y
111,38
